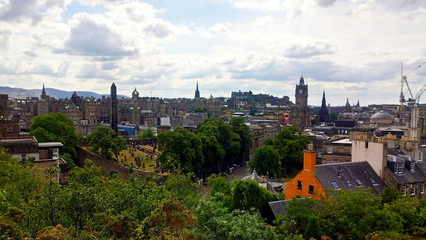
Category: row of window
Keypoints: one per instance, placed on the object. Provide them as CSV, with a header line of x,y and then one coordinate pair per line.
x,y
413,189
310,190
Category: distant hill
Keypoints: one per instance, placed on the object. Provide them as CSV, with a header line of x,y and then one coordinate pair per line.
x,y
56,93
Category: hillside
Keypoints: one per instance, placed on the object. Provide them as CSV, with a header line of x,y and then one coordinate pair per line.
x,y
56,93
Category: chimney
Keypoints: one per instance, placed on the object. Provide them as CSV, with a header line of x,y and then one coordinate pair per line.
x,y
309,158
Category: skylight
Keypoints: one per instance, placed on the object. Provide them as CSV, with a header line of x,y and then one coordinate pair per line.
x,y
335,185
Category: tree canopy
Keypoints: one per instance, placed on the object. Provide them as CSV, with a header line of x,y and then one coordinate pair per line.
x,y
93,205
56,127
266,161
146,133
181,150
290,144
102,139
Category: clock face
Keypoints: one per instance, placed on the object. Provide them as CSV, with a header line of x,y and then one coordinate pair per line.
x,y
300,91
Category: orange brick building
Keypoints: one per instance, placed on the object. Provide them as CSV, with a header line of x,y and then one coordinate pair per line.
x,y
305,184
313,180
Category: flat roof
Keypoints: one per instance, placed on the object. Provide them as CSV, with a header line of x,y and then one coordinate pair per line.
x,y
50,144
17,140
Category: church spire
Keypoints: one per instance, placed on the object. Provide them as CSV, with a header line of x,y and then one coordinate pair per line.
x,y
43,93
197,93
323,104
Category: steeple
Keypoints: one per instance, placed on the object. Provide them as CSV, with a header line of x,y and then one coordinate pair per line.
x,y
323,112
43,93
348,107
197,93
302,81
323,104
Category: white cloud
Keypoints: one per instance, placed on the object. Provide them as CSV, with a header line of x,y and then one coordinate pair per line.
x,y
309,50
255,45
96,36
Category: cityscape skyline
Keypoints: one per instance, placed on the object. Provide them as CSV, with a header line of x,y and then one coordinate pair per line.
x,y
351,49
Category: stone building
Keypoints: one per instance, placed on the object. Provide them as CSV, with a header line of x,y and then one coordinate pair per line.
x,y
300,112
4,106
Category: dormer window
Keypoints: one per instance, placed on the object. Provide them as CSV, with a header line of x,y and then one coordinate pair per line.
x,y
399,168
412,166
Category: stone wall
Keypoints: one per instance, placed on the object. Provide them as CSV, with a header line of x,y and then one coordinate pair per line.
x,y
109,166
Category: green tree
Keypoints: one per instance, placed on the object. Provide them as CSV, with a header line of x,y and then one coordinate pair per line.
x,y
56,127
80,199
18,184
200,109
216,222
248,195
230,141
181,187
171,220
146,133
102,139
239,127
290,143
266,161
180,150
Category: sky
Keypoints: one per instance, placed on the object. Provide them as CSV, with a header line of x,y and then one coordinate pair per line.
x,y
347,48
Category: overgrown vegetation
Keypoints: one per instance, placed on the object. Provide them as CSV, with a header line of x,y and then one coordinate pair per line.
x,y
95,206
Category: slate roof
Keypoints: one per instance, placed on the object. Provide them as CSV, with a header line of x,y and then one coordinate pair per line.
x,y
408,177
278,207
396,155
349,176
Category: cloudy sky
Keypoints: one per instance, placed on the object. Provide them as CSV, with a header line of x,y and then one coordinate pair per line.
x,y
349,48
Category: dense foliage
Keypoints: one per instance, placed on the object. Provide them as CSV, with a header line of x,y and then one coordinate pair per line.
x,y
356,215
95,206
102,140
146,133
211,144
266,161
56,127
290,144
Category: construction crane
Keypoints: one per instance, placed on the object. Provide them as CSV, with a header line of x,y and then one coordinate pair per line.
x,y
411,100
413,104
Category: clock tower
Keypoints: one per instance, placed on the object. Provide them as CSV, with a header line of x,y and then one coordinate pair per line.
x,y
300,111
302,93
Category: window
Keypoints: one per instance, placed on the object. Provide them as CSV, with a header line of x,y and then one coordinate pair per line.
x,y
335,185
311,189
373,181
329,150
413,189
399,167
412,166
358,182
299,184
403,190
422,188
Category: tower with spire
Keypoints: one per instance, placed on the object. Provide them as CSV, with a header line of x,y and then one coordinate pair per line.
x,y
43,93
348,107
323,112
197,93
